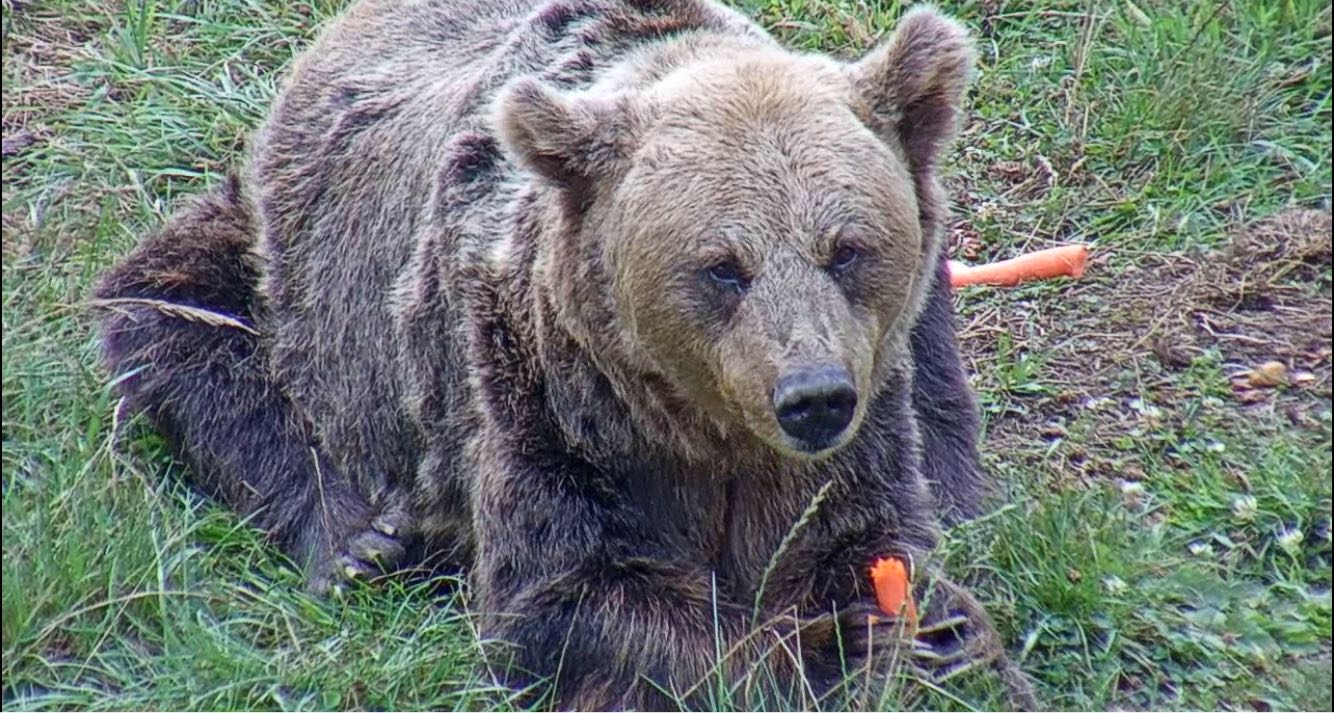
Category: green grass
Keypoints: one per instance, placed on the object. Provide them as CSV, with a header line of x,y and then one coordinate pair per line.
x,y
1138,127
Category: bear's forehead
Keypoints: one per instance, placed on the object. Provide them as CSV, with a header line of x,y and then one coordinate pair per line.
x,y
768,142
766,71
818,162
799,202
761,114
750,89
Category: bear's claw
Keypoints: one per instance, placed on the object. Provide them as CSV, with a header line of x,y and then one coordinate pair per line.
x,y
378,550
961,638
375,547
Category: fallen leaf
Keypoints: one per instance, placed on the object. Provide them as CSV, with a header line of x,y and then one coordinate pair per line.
x,y
1268,374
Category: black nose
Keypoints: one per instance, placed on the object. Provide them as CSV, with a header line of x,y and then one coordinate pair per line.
x,y
815,405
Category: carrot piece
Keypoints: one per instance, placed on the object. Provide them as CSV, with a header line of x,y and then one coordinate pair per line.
x,y
1065,261
893,590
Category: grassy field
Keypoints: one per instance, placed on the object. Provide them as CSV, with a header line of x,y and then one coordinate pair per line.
x,y
1165,539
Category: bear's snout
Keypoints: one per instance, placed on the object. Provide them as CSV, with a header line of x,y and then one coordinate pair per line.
x,y
815,405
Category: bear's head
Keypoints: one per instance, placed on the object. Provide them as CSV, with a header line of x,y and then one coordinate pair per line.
x,y
752,232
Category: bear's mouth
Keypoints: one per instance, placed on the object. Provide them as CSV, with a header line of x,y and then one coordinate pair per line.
x,y
818,449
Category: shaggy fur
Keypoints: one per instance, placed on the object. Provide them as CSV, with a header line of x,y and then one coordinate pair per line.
x,y
473,246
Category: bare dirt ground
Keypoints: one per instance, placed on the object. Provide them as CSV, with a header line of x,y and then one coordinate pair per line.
x,y
1113,350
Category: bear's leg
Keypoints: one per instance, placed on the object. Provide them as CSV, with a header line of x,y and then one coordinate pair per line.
x,y
177,334
946,411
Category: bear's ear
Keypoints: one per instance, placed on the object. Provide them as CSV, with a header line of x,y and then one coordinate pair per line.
x,y
913,85
569,140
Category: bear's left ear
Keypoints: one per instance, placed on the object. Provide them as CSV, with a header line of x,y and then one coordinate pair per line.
x,y
914,84
567,139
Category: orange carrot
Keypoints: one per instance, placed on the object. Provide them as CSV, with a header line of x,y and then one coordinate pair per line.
x,y
893,590
1065,261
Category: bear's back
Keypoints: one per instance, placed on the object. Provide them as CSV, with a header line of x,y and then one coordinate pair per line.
x,y
344,169
340,173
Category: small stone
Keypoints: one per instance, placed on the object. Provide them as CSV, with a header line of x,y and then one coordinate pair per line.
x,y
1115,585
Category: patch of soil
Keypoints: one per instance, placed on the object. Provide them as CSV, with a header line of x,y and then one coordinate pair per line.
x,y
1115,346
43,46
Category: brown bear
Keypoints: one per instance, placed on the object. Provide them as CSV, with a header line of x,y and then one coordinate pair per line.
x,y
617,304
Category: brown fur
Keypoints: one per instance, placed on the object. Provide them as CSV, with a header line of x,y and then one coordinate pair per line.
x,y
475,240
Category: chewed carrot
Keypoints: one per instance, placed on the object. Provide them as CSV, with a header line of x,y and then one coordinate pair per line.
x,y
1065,261
893,591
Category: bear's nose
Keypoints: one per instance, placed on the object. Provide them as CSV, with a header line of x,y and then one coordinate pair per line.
x,y
815,405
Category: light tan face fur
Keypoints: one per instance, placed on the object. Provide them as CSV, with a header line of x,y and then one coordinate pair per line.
x,y
756,217
779,182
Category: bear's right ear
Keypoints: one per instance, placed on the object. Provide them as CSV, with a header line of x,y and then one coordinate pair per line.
x,y
913,85
567,140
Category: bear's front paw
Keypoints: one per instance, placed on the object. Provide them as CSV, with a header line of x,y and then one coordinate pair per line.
x,y
957,636
359,550
378,550
835,646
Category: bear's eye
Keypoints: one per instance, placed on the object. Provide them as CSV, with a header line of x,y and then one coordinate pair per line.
x,y
727,273
843,258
